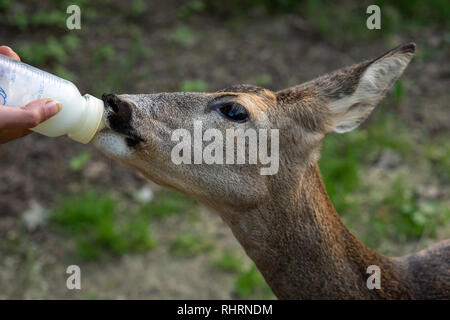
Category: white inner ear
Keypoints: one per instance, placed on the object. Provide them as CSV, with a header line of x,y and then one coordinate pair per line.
x,y
376,80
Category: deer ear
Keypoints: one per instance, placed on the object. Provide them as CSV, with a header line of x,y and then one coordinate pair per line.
x,y
372,81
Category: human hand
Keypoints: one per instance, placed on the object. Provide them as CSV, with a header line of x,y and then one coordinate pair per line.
x,y
15,122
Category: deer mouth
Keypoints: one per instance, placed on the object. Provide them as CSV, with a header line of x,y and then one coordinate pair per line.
x,y
119,139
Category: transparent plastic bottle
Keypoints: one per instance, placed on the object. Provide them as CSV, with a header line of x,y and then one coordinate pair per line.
x,y
80,117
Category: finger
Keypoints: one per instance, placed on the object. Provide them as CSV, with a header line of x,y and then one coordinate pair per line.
x,y
7,51
40,110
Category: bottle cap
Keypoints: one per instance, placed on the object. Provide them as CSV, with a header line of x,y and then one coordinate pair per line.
x,y
93,120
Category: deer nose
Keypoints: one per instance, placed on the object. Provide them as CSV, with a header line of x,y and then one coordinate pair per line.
x,y
119,112
120,119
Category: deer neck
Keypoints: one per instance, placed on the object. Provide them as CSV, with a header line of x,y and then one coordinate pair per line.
x,y
303,249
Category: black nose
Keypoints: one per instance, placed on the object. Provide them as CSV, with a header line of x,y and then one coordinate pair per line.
x,y
120,120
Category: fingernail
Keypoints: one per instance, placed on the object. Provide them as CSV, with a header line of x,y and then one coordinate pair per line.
x,y
52,108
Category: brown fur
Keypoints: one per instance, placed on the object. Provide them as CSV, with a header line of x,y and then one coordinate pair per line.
x,y
285,222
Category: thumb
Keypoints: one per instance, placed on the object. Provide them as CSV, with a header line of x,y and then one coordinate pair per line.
x,y
7,51
38,111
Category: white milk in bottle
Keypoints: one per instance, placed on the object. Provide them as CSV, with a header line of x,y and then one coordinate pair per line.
x,y
80,117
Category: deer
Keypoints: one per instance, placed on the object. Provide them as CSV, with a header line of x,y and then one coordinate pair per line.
x,y
285,222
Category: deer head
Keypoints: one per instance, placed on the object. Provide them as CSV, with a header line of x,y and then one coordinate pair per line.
x,y
283,218
140,128
281,215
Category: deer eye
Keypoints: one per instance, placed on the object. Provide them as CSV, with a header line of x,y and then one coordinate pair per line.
x,y
234,112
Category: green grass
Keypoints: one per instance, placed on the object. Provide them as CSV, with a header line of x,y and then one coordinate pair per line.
x,y
343,155
105,52
78,162
49,45
188,244
183,35
43,17
250,284
138,7
63,72
191,7
112,69
397,212
100,225
437,152
194,85
403,214
329,17
263,80
55,50
399,92
229,261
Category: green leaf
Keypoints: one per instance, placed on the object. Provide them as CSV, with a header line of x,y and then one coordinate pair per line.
x,y
78,162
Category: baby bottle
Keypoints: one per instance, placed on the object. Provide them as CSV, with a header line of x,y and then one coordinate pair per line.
x,y
80,116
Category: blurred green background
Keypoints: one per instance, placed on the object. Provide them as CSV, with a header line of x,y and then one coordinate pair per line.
x,y
63,203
